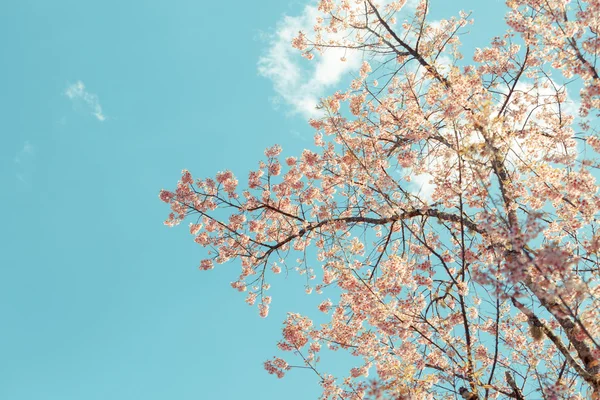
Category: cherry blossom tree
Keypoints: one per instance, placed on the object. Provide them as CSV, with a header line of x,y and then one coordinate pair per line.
x,y
447,210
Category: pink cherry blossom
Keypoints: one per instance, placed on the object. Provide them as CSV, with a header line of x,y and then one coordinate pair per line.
x,y
447,211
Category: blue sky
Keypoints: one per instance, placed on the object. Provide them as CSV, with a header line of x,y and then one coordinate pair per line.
x,y
103,104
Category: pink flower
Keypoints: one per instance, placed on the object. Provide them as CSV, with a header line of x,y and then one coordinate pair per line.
x,y
186,177
251,298
365,69
299,42
274,169
276,367
326,5
325,306
263,310
273,151
290,161
206,264
356,104
165,195
195,228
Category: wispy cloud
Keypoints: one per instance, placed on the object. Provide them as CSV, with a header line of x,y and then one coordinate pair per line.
x,y
24,162
422,186
80,97
298,82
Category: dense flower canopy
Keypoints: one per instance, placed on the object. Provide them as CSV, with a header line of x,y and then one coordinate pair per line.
x,y
482,281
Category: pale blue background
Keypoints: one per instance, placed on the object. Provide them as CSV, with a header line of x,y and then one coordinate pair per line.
x,y
98,300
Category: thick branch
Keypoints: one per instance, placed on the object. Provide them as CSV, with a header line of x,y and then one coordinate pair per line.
x,y
556,340
517,394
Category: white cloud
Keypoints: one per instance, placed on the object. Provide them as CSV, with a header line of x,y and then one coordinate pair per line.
x,y
26,151
298,82
24,160
77,93
422,187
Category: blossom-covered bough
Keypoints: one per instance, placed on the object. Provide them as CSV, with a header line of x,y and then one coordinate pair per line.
x,y
482,280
